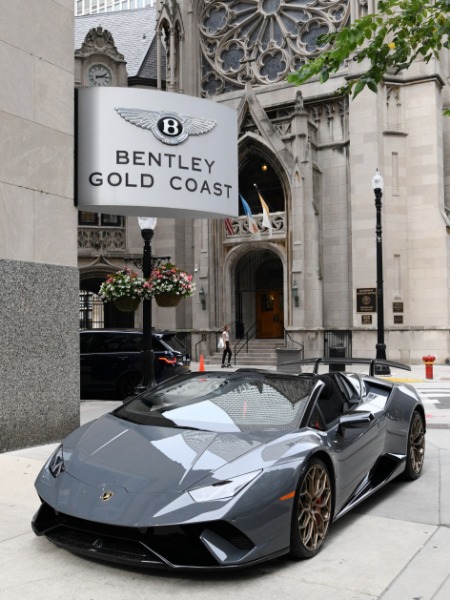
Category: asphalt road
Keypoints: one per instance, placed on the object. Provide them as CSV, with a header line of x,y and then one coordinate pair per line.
x,y
395,546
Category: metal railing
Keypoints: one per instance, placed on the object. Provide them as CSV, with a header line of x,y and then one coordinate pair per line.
x,y
241,345
91,310
185,338
294,342
206,337
248,335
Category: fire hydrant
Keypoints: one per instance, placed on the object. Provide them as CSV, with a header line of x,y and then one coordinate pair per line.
x,y
429,361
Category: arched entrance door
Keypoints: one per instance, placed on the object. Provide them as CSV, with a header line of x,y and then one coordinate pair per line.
x,y
259,295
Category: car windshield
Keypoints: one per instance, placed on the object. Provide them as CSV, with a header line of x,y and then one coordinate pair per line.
x,y
223,402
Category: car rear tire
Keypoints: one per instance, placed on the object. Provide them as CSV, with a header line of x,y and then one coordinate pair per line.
x,y
311,515
415,453
127,384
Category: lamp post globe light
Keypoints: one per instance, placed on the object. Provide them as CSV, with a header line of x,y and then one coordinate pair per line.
x,y
147,226
377,185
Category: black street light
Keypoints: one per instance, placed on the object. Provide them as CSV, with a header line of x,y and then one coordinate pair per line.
x,y
147,225
377,185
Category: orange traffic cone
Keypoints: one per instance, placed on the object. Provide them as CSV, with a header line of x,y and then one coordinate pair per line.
x,y
202,363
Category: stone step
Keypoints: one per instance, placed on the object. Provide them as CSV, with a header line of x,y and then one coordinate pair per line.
x,y
268,357
261,343
261,352
249,362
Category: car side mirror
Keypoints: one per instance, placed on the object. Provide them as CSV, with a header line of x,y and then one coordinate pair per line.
x,y
356,420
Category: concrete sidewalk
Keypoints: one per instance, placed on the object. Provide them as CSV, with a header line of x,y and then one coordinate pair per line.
x,y
395,546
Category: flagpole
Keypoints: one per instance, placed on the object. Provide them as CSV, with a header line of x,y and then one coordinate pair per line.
x,y
265,210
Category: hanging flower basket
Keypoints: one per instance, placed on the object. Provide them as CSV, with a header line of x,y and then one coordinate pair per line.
x,y
167,300
126,304
125,289
168,285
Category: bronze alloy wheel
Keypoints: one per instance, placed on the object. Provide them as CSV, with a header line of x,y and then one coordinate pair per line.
x,y
312,515
416,447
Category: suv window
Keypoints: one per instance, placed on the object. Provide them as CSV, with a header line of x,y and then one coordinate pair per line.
x,y
116,341
157,346
131,342
174,343
106,342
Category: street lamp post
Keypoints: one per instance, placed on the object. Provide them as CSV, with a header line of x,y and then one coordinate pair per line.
x,y
147,225
377,185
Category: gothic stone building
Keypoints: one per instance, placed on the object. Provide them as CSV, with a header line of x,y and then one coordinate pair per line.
x,y
308,282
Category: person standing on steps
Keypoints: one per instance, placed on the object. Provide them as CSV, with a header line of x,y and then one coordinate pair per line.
x,y
226,346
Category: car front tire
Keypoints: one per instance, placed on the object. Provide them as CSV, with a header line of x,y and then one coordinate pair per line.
x,y
311,515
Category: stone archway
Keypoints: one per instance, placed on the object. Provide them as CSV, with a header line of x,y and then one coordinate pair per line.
x,y
259,296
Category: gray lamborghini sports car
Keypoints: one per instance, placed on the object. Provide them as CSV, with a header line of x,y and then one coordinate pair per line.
x,y
214,470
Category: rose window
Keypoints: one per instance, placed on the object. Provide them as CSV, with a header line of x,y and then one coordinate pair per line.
x,y
262,40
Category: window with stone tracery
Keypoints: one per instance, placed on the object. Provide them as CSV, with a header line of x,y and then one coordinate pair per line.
x,y
262,40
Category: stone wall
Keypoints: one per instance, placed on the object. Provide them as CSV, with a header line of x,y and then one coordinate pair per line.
x,y
39,358
39,353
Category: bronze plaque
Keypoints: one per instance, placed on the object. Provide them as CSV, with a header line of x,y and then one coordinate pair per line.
x,y
366,319
366,300
397,307
398,319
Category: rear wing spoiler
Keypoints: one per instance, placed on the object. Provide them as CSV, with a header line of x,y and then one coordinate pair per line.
x,y
372,362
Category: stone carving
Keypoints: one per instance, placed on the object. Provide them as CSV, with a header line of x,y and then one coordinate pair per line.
x,y
240,226
327,120
102,240
99,40
261,41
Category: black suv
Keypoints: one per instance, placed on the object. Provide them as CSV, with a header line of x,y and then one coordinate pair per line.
x,y
110,360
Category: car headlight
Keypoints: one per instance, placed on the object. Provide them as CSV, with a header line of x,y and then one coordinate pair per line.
x,y
223,489
56,463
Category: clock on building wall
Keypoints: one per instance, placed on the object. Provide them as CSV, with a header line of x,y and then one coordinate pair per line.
x,y
99,75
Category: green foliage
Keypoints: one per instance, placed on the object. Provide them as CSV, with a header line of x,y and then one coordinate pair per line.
x,y
389,41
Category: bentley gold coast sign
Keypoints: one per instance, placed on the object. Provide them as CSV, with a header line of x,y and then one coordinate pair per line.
x,y
158,154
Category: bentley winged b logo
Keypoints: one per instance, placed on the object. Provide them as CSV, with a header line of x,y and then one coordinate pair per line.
x,y
168,127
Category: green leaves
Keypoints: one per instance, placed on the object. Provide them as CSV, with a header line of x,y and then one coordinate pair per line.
x,y
402,31
359,87
371,84
324,75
